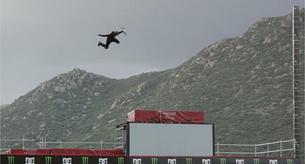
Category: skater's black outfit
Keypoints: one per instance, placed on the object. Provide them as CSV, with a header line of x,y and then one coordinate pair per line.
x,y
110,38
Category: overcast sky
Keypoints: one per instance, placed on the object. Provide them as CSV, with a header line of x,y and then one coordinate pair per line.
x,y
42,38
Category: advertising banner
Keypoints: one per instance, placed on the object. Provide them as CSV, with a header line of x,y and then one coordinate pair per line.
x,y
7,159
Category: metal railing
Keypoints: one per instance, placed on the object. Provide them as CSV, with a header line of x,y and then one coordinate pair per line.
x,y
20,143
23,143
278,148
99,145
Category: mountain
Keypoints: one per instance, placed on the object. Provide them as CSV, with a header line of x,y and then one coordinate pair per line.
x,y
3,106
243,84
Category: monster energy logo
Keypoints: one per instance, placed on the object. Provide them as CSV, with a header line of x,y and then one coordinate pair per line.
x,y
240,161
137,161
289,161
171,161
29,160
121,160
223,161
48,160
103,161
273,161
84,160
66,160
256,161
11,159
188,160
154,161
206,161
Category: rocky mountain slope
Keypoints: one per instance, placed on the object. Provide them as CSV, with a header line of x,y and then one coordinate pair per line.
x,y
242,83
3,106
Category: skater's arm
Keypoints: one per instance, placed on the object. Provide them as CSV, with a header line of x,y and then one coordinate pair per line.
x,y
103,35
118,32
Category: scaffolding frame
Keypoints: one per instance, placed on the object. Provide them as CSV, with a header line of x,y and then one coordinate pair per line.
x,y
298,84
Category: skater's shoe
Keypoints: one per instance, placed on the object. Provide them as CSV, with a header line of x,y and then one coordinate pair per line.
x,y
103,45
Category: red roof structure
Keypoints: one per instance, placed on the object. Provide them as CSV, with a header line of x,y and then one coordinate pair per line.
x,y
156,116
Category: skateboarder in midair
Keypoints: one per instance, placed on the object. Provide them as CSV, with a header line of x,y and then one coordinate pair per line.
x,y
110,38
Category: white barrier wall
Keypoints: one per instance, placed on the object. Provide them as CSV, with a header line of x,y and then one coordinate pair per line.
x,y
151,139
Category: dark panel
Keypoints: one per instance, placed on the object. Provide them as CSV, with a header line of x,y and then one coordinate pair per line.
x,y
7,159
202,160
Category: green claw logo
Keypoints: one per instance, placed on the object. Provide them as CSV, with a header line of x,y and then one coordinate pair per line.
x,y
256,161
48,160
11,159
84,160
223,161
189,161
154,161
121,160
289,161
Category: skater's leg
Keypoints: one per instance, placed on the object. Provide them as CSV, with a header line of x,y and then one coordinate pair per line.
x,y
108,41
116,40
103,45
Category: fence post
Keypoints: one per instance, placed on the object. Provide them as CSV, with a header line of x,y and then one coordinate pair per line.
x,y
267,149
22,142
40,143
217,149
255,150
281,148
45,142
60,144
294,146
101,142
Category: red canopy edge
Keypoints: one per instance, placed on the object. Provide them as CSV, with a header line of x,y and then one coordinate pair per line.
x,y
156,116
66,151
